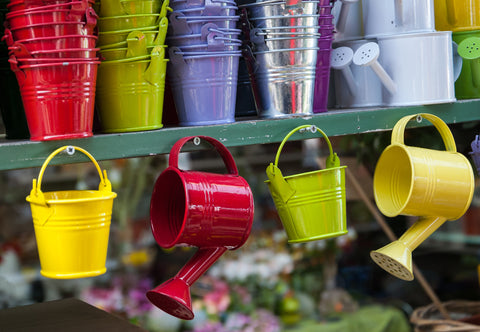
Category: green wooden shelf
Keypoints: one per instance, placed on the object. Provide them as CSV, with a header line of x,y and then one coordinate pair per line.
x,y
24,153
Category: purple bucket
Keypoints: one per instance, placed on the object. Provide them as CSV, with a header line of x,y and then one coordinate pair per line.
x,y
322,76
185,4
180,24
209,34
204,86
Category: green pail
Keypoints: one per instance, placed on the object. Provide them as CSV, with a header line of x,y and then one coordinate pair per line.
x,y
311,205
130,93
467,86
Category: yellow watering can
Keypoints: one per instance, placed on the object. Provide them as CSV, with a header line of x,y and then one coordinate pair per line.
x,y
310,205
434,185
72,227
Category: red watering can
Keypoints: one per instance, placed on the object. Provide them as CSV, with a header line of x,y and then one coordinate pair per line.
x,y
213,212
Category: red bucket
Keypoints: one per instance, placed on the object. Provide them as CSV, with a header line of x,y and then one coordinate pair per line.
x,y
56,42
58,98
37,61
85,53
21,18
40,30
15,5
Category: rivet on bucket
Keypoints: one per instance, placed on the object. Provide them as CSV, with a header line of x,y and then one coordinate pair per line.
x,y
312,205
72,227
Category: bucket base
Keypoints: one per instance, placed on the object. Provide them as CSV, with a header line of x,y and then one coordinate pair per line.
x,y
61,136
320,237
206,123
77,275
133,129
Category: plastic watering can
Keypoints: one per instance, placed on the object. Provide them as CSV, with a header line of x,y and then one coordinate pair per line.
x,y
348,19
72,227
433,185
310,205
467,86
213,212
457,15
361,74
391,17
422,67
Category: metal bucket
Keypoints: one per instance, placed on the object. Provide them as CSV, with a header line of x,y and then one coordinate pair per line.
x,y
72,227
204,86
322,75
283,81
123,87
312,205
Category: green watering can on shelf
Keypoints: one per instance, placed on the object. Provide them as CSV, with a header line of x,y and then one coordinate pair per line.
x,y
311,205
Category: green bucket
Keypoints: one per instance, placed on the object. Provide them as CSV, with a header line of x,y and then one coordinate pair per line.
x,y
467,86
311,205
130,93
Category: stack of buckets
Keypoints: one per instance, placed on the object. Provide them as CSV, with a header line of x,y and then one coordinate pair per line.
x,y
281,47
463,19
52,52
11,106
131,76
322,76
204,52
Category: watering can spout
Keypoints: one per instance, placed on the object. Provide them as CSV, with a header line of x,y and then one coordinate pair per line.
x,y
396,257
173,296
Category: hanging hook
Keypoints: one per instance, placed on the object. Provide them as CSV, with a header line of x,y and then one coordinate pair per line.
x,y
70,150
196,140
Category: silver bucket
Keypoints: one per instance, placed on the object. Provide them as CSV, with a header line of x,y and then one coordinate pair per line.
x,y
282,81
264,41
280,8
284,21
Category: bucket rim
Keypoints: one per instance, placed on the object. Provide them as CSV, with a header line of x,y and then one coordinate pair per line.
x,y
105,196
312,172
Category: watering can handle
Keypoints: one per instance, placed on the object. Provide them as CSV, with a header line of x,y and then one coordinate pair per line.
x,y
222,150
332,160
399,129
105,184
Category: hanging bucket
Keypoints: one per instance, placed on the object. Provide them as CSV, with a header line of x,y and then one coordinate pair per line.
x,y
311,205
72,226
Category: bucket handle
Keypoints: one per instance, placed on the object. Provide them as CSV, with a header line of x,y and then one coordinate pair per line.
x,y
36,195
399,129
221,149
162,32
281,187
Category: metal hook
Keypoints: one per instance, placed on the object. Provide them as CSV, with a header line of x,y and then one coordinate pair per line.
x,y
70,150
419,118
196,140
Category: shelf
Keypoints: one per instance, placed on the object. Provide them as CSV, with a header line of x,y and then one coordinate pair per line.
x,y
25,153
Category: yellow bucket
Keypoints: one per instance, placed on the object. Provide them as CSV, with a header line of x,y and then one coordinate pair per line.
x,y
311,205
72,227
457,15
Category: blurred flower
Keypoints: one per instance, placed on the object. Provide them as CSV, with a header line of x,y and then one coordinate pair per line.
x,y
218,300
